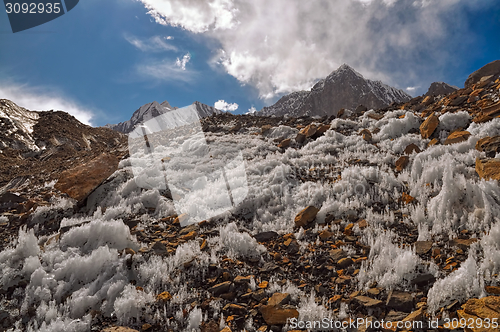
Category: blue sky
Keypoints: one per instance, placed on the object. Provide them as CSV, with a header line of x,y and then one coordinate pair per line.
x,y
104,59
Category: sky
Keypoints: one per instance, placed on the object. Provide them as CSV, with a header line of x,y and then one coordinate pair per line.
x,y
104,59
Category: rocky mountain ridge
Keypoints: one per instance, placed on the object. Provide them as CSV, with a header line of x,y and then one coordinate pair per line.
x,y
151,110
343,88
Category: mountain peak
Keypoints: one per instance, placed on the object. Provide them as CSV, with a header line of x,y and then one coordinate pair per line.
x,y
343,88
154,109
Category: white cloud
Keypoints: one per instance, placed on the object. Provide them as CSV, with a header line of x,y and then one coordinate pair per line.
x,y
224,106
412,88
166,70
196,16
286,45
251,110
181,63
42,99
153,44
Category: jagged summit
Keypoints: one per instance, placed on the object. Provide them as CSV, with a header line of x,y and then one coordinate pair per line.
x,y
440,88
152,110
343,88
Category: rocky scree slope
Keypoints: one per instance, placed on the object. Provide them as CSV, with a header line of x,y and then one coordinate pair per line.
x,y
343,88
389,214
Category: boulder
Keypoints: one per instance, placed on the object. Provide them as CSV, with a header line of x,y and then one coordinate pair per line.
x,y
276,315
80,181
428,127
285,143
309,130
265,128
360,110
337,254
488,168
279,299
492,68
368,302
457,137
402,162
412,148
300,138
487,307
400,301
423,247
367,135
275,312
265,236
492,110
221,288
306,216
490,145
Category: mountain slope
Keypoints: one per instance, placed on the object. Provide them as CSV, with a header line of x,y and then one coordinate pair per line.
x,y
343,88
39,145
148,111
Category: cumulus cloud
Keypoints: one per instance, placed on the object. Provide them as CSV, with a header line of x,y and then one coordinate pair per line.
x,y
286,45
153,44
42,99
251,110
224,106
181,63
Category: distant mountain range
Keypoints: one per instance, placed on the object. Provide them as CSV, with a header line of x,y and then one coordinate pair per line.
x,y
154,109
343,88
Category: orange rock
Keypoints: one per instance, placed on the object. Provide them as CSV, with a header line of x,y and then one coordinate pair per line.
x,y
490,145
276,315
434,141
492,110
306,216
367,135
412,148
348,229
375,116
428,127
457,137
493,290
488,168
263,284
402,162
362,224
481,118
163,297
80,181
189,236
407,199
285,143
265,128
322,129
325,234
309,130
487,307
